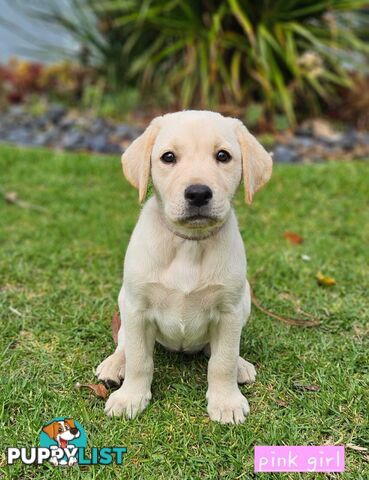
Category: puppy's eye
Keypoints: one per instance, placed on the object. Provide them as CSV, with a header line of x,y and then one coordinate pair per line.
x,y
223,156
168,157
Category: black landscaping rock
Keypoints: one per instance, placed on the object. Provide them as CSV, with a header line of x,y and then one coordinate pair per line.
x,y
304,131
285,154
100,126
67,123
74,140
126,132
349,140
101,144
301,142
47,138
364,139
20,136
55,113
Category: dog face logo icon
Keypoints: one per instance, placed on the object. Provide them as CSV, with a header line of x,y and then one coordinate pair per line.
x,y
62,431
64,436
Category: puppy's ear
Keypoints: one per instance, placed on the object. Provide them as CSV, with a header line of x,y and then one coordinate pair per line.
x,y
51,430
136,160
257,163
70,422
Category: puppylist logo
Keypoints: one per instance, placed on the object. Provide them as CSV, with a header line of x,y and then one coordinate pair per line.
x,y
63,442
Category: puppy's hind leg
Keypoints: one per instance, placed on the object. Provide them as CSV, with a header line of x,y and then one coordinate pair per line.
x,y
112,370
246,372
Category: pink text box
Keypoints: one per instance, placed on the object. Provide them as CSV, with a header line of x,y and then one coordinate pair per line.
x,y
299,459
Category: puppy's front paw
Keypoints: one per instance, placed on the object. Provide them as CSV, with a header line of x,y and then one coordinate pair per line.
x,y
227,407
128,402
246,372
111,371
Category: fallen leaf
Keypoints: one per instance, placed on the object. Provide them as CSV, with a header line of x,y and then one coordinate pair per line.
x,y
115,326
293,237
281,403
98,389
356,447
324,280
309,388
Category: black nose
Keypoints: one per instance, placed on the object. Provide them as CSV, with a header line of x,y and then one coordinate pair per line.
x,y
74,431
198,195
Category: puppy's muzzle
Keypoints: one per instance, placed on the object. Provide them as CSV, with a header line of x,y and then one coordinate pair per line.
x,y
198,195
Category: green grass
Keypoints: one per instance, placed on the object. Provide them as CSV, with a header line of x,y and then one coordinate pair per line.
x,y
61,270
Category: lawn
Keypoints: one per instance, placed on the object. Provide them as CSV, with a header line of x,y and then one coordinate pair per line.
x,y
61,272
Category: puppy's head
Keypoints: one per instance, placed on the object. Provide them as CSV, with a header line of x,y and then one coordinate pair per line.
x,y
196,160
62,430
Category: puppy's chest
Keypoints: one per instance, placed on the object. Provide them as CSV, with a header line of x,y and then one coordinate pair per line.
x,y
183,318
185,298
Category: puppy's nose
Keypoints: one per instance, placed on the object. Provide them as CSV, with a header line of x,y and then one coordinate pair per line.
x,y
74,431
198,195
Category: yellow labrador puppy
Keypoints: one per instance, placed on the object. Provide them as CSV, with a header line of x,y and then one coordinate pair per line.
x,y
185,268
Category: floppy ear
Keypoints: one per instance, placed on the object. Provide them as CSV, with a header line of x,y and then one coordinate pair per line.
x,y
70,422
51,430
136,160
257,163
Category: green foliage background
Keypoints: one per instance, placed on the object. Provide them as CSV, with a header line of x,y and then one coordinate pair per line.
x,y
284,55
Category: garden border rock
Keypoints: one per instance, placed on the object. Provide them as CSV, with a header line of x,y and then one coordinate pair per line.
x,y
313,141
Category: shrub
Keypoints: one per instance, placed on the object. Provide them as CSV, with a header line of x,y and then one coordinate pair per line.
x,y
288,55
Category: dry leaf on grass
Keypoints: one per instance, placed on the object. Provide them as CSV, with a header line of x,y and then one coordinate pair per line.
x,y
115,326
293,238
98,389
324,280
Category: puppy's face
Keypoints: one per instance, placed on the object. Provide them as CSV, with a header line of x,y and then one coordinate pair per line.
x,y
196,160
196,169
62,431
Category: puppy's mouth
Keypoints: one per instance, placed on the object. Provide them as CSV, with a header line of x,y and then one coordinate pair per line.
x,y
63,443
198,220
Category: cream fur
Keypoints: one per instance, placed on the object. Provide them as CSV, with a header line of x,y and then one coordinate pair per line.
x,y
184,277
